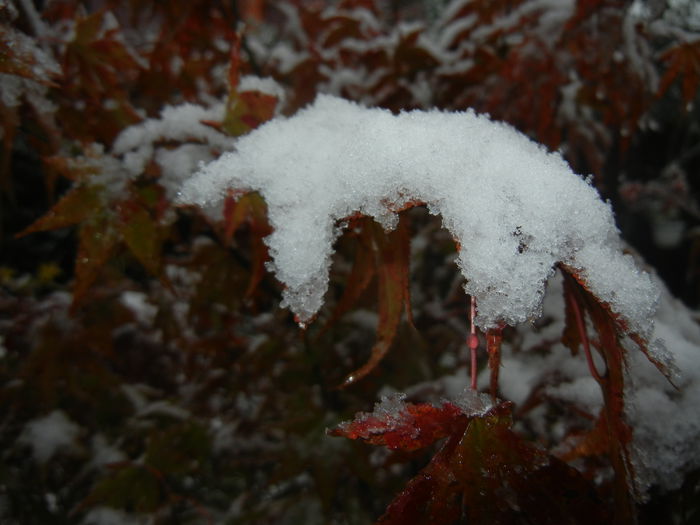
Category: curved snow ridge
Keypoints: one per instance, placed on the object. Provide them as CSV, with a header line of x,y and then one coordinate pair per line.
x,y
516,209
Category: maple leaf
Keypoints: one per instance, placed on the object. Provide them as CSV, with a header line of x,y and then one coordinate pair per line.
x,y
404,426
76,205
101,230
611,435
391,259
683,60
97,65
250,209
483,473
245,110
361,275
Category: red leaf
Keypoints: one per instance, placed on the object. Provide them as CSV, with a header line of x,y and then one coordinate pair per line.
x,y
483,473
97,242
619,434
79,203
392,261
404,426
247,110
249,209
143,236
360,276
684,60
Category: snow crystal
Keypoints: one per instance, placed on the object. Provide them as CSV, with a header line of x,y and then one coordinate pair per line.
x,y
50,434
472,402
389,408
516,209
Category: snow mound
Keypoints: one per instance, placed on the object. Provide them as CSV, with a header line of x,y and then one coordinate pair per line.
x,y
515,209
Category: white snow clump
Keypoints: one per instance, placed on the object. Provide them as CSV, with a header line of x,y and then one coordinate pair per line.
x,y
49,435
515,209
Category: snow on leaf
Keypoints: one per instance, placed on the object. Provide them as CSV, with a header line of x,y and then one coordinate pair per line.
x,y
251,101
483,473
492,186
404,426
49,435
617,434
20,55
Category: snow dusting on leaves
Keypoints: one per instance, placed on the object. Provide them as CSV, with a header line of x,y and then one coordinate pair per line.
x,y
515,209
483,473
407,426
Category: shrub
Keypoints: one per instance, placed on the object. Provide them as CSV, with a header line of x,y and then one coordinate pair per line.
x,y
151,371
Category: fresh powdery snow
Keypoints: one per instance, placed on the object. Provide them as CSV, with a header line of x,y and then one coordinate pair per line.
x,y
515,209
665,419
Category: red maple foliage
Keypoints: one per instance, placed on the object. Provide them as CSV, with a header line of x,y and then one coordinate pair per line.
x,y
175,363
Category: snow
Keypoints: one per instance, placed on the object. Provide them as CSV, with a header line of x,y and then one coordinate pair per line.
x,y
515,209
285,58
103,453
265,85
137,145
392,410
137,302
179,163
50,435
110,516
665,420
473,403
177,123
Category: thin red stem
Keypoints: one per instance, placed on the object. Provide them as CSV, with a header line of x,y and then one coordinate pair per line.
x,y
584,340
493,347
